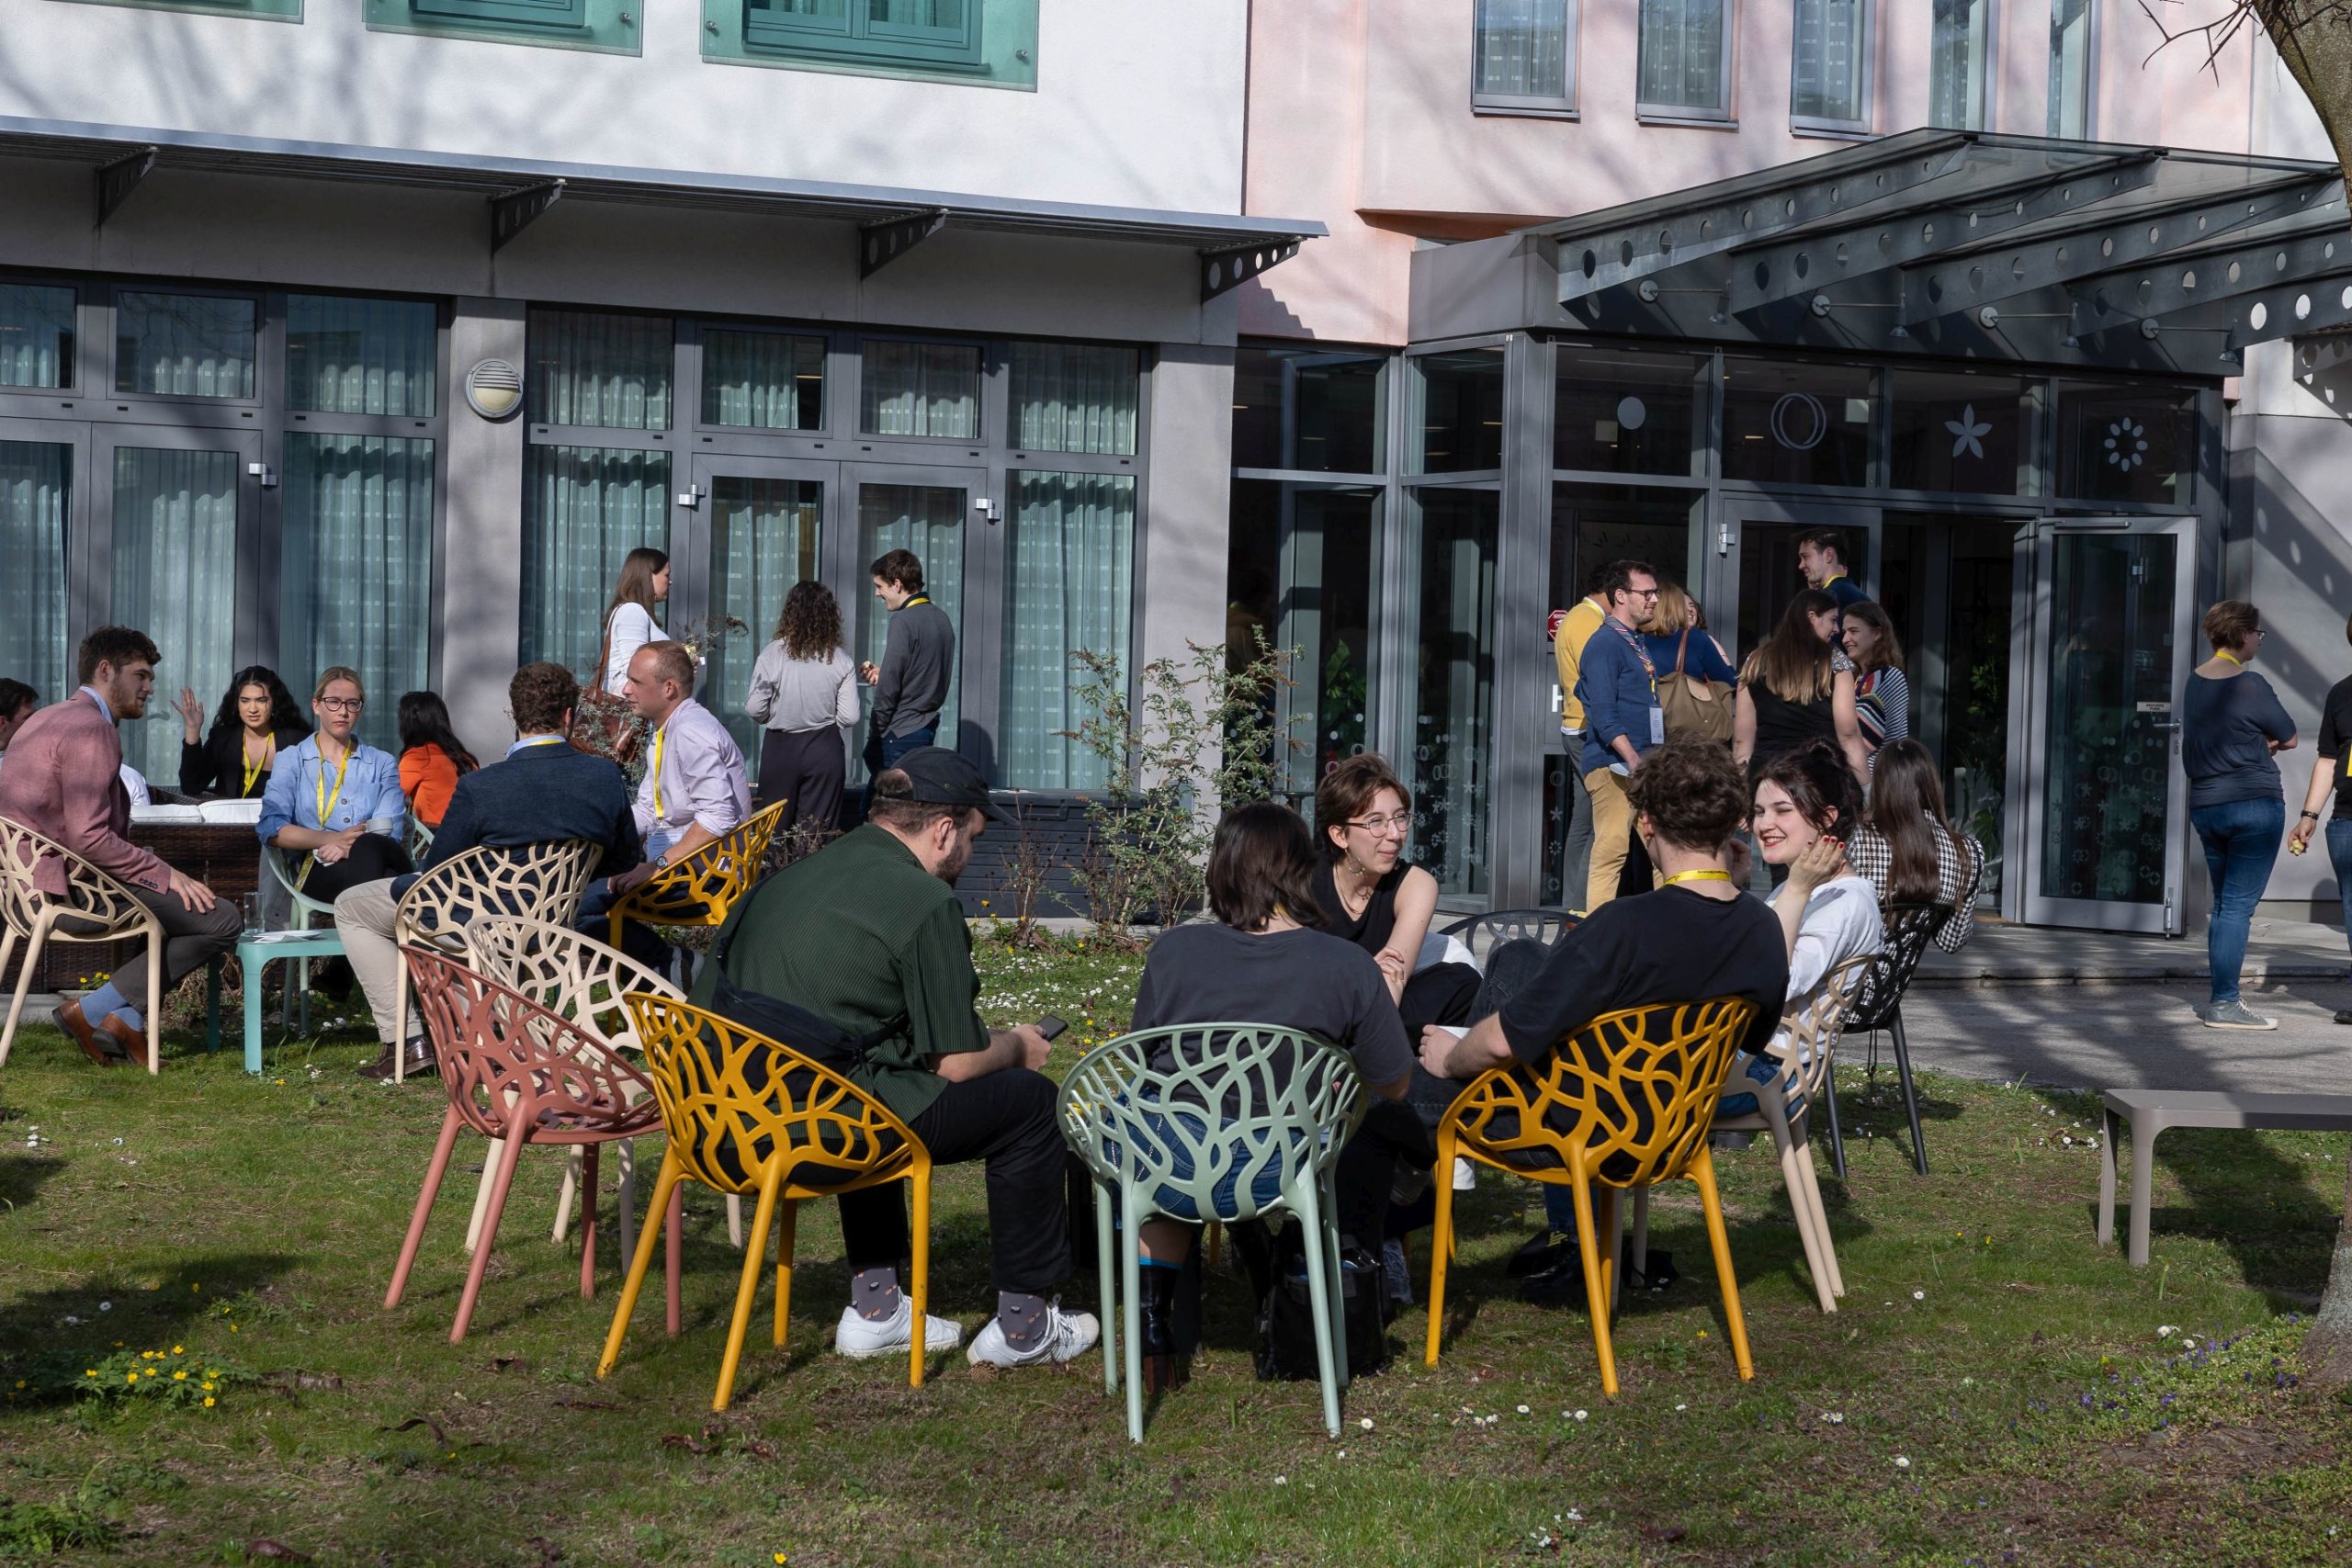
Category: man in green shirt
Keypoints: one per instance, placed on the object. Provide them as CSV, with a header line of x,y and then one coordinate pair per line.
x,y
867,932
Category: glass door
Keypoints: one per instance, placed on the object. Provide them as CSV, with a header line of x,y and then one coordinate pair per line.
x,y
40,466
760,526
1757,559
172,509
2103,799
929,512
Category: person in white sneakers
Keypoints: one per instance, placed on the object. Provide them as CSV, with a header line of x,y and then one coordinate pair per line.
x,y
866,932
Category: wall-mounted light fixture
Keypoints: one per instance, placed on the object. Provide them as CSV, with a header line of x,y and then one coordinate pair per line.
x,y
494,389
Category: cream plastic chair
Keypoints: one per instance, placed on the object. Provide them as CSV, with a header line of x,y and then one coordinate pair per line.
x,y
90,895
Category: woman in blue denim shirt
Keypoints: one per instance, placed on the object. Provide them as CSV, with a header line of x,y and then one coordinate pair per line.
x,y
334,804
2232,729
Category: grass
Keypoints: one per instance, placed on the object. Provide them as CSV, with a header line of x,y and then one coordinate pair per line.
x,y
1995,1390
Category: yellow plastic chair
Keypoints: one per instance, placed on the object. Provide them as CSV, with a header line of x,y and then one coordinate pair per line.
x,y
807,1131
699,889
1670,1061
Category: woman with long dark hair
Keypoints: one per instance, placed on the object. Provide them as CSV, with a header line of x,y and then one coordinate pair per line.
x,y
1797,687
1908,847
432,757
629,618
804,691
1807,805
1881,692
255,720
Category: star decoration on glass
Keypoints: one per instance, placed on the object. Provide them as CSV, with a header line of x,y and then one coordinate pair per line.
x,y
2126,443
1968,432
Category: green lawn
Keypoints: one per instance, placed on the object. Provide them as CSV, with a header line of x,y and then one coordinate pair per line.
x,y
1995,1390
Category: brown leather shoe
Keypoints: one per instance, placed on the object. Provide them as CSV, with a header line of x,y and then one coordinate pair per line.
x,y
381,1067
133,1043
420,1061
105,1053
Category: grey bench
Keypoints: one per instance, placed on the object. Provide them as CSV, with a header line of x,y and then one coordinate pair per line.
x,y
2151,1110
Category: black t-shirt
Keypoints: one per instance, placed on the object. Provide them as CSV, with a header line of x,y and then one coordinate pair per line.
x,y
2335,742
1371,929
1673,945
1295,979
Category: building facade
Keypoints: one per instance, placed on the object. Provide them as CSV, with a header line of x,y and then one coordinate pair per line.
x,y
376,334
2039,316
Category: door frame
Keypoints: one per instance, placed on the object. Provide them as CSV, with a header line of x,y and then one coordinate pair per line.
x,y
2031,636
1735,509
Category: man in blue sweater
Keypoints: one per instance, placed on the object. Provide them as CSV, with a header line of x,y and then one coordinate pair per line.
x,y
1618,686
544,791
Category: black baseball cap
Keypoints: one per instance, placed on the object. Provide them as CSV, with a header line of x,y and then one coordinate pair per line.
x,y
941,777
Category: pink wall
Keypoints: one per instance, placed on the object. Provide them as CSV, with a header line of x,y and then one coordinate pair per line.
x,y
1360,114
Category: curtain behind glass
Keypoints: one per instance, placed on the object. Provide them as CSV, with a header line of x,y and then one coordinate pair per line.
x,y
1454,729
34,486
2070,67
763,538
763,380
588,367
345,354
585,508
917,12
919,389
356,572
1958,52
36,335
1071,397
1826,75
183,345
1523,48
175,578
1072,585
928,520
1682,55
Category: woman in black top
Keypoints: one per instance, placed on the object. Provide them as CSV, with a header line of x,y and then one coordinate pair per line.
x,y
1798,687
2331,772
1369,896
257,718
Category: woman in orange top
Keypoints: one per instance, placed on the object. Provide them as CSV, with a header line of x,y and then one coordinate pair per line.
x,y
431,757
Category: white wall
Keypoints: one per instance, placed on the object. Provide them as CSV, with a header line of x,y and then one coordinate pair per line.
x,y
1138,102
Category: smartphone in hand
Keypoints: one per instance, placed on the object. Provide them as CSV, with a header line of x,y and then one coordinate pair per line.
x,y
1051,1027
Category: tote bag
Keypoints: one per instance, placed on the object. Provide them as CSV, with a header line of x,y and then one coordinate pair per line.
x,y
1693,704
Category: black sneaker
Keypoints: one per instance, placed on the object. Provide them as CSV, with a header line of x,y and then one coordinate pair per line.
x,y
1541,1253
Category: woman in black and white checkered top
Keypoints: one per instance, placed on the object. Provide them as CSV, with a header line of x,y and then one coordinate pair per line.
x,y
1909,847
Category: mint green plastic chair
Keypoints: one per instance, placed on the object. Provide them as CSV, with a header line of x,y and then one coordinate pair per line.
x,y
1247,1121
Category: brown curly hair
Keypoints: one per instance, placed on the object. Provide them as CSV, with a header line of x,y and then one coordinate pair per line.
x,y
1691,791
811,624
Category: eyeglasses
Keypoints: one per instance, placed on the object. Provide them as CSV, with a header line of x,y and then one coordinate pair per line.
x,y
1400,822
343,704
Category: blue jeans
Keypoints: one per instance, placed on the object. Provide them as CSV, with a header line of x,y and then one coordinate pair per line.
x,y
2241,840
892,748
2339,855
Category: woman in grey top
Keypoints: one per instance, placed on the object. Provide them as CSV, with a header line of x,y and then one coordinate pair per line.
x,y
804,690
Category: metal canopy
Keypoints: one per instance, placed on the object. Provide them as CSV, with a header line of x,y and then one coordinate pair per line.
x,y
520,189
1953,244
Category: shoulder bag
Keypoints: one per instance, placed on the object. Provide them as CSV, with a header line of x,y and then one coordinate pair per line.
x,y
601,724
1693,705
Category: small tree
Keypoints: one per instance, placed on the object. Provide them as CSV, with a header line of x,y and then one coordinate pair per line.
x,y
1151,823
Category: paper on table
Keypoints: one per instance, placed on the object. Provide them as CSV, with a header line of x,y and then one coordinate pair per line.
x,y
231,812
187,816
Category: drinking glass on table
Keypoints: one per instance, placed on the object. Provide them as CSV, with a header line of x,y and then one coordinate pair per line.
x,y
250,907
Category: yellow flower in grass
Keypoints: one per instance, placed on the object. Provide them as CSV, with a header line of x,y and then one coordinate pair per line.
x,y
178,1351
207,1388
179,1377
208,1401
90,1371
131,1377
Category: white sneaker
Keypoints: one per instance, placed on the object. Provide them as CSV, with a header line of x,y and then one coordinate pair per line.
x,y
1069,1334
2233,1015
860,1337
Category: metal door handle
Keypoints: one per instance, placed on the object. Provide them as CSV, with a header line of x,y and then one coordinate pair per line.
x,y
2166,723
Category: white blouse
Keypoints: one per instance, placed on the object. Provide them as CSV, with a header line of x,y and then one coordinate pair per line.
x,y
632,627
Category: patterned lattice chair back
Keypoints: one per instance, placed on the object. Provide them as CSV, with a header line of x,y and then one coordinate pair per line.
x,y
1239,1113
1909,927
1669,1061
733,1100
576,977
701,888
90,894
542,882
506,1062
1499,926
1814,1028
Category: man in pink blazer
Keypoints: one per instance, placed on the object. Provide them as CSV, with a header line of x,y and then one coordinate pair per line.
x,y
64,780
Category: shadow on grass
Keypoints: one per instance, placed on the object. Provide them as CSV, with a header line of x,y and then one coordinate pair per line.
x,y
21,1179
2243,1192
69,1321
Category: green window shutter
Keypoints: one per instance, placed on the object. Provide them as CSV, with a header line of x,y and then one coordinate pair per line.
x,y
929,32
549,14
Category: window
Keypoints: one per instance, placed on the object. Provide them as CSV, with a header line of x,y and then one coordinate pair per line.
x,y
928,521
609,27
1074,397
2074,35
921,388
1683,63
174,553
1462,410
1309,409
1797,423
183,346
1829,71
588,368
1958,430
1624,412
261,10
979,43
1453,714
1072,573
1959,65
356,566
36,490
585,508
763,538
36,335
761,380
1525,55
2128,444
351,355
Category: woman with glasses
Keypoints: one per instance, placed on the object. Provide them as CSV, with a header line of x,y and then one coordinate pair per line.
x,y
2232,729
1369,896
334,806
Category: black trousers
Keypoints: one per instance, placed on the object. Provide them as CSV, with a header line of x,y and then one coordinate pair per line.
x,y
807,768
373,857
1006,1120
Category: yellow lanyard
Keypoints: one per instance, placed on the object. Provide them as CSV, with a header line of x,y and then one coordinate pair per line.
x,y
327,802
1696,876
253,769
657,771
2225,653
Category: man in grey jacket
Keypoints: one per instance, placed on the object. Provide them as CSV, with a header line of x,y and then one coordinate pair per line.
x,y
917,662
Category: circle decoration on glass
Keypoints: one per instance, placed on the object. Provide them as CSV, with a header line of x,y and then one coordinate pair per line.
x,y
1632,414
2126,443
1799,421
494,389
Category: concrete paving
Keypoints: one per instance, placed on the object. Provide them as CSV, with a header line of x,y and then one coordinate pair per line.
x,y
2006,955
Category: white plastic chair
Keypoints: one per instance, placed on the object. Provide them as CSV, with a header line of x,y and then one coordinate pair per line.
x,y
90,895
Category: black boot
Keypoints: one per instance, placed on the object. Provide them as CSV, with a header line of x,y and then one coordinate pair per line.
x,y
1163,1366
